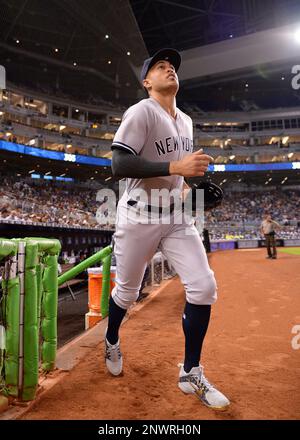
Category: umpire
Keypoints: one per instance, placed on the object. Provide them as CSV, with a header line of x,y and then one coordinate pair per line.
x,y
267,228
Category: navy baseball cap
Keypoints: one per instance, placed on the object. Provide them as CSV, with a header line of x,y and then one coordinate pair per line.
x,y
168,54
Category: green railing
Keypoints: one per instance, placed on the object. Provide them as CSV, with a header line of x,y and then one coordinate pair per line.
x,y
28,309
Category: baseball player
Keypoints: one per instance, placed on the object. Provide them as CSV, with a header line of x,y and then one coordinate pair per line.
x,y
267,228
153,150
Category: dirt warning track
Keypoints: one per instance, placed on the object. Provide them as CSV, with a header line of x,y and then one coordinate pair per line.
x,y
248,352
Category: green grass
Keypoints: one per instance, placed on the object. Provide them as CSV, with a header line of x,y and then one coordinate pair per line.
x,y
291,250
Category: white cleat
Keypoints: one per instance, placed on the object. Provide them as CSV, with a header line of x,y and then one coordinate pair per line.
x,y
113,358
195,382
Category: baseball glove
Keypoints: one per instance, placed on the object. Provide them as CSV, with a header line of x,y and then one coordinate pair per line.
x,y
213,195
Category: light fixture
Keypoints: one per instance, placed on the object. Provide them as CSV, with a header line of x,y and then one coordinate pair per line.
x,y
282,78
8,133
56,50
75,64
69,145
128,53
92,178
246,85
31,171
48,172
62,175
17,41
230,36
297,36
1,113
106,37
76,110
290,155
109,61
108,178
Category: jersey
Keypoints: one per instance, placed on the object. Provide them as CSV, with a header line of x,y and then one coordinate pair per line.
x,y
148,130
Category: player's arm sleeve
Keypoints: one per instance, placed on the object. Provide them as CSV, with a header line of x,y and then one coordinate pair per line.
x,y
126,164
133,131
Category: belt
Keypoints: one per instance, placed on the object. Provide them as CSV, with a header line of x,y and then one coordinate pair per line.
x,y
153,209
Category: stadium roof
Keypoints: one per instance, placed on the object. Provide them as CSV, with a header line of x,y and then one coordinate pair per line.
x,y
91,48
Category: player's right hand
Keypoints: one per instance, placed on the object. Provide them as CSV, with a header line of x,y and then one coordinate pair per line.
x,y
193,165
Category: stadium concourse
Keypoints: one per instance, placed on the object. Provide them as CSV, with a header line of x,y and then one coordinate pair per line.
x,y
69,70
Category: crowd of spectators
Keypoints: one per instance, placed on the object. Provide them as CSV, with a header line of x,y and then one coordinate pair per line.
x,y
241,213
30,202
49,202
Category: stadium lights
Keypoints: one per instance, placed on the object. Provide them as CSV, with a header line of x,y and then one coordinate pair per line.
x,y
31,171
17,41
92,178
128,53
108,178
48,172
76,110
297,36
106,37
109,62
62,175
75,64
56,50
246,85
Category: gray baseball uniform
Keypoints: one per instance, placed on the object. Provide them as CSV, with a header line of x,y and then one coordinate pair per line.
x,y
147,129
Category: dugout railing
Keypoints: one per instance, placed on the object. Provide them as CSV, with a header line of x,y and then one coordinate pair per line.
x,y
28,309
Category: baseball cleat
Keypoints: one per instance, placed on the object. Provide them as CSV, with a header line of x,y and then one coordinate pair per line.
x,y
195,382
113,358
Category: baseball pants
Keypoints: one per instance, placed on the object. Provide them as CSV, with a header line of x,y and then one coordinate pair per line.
x,y
135,245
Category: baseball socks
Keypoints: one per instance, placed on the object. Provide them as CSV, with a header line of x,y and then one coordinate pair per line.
x,y
115,317
195,321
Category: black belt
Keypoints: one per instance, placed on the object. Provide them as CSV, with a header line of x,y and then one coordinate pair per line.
x,y
153,209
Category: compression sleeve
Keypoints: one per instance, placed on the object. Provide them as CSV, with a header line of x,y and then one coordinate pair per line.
x,y
126,164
